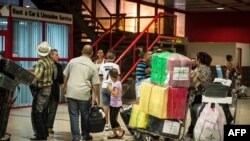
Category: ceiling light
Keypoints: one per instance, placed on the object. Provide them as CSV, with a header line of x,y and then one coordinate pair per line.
x,y
220,8
27,6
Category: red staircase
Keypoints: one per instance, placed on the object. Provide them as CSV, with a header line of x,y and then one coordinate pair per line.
x,y
144,36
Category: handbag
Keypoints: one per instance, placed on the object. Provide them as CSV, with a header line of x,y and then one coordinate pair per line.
x,y
96,119
196,79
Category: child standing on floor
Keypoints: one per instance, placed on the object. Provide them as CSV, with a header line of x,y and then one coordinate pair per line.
x,y
115,104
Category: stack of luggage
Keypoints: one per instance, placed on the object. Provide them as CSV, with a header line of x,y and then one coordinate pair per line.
x,y
163,101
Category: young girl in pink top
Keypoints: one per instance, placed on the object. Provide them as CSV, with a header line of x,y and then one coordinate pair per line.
x,y
115,104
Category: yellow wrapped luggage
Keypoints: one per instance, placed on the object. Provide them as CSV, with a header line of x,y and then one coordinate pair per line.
x,y
158,102
138,119
145,91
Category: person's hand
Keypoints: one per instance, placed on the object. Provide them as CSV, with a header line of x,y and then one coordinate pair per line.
x,y
109,87
148,70
64,89
94,102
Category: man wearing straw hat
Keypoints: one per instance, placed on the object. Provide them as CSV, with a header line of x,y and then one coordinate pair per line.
x,y
43,73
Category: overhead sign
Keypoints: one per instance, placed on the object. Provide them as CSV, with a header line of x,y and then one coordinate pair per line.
x,y
4,10
41,15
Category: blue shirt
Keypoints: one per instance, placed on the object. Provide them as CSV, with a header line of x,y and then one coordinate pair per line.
x,y
141,71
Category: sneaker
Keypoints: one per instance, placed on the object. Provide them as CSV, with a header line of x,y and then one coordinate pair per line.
x,y
51,131
106,128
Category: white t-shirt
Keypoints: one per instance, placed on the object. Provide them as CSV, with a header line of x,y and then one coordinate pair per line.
x,y
104,71
99,65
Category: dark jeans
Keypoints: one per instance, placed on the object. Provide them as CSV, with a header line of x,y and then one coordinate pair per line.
x,y
38,112
75,106
195,112
113,116
52,108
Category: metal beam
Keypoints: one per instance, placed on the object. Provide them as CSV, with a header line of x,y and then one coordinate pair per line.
x,y
224,5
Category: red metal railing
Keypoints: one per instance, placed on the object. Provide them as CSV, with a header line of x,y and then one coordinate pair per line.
x,y
141,34
118,18
149,48
118,42
92,16
95,44
148,45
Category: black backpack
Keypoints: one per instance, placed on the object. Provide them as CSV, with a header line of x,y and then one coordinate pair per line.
x,y
96,119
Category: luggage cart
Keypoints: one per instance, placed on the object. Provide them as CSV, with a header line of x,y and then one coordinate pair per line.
x,y
228,103
151,135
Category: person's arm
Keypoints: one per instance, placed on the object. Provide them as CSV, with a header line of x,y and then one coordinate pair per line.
x,y
100,73
114,91
119,73
96,94
64,85
95,81
148,70
66,77
39,69
101,77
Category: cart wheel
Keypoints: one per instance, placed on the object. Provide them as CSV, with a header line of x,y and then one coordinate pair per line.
x,y
137,135
147,138
168,139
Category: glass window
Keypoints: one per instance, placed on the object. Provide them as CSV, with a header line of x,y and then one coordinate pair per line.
x,y
58,37
180,25
2,43
130,8
26,36
3,23
147,10
23,94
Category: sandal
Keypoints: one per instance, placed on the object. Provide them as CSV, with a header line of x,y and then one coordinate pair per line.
x,y
123,132
112,137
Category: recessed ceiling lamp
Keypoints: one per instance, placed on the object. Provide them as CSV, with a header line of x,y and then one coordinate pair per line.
x,y
220,8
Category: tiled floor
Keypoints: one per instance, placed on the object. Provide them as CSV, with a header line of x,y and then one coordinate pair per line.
x,y
20,128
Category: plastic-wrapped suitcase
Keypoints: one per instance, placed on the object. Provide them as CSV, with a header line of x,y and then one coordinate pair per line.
x,y
7,83
15,71
96,119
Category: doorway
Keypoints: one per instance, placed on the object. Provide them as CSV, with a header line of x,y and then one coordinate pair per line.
x,y
239,59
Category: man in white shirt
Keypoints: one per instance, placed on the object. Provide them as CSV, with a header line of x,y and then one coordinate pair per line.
x,y
106,80
81,77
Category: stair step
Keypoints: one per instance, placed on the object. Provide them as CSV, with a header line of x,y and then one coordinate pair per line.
x,y
85,40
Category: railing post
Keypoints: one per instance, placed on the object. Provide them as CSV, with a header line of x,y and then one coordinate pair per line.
x,y
96,49
120,64
110,40
159,26
147,38
134,55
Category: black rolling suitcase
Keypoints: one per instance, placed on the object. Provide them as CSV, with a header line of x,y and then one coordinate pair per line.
x,y
14,71
96,119
125,115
